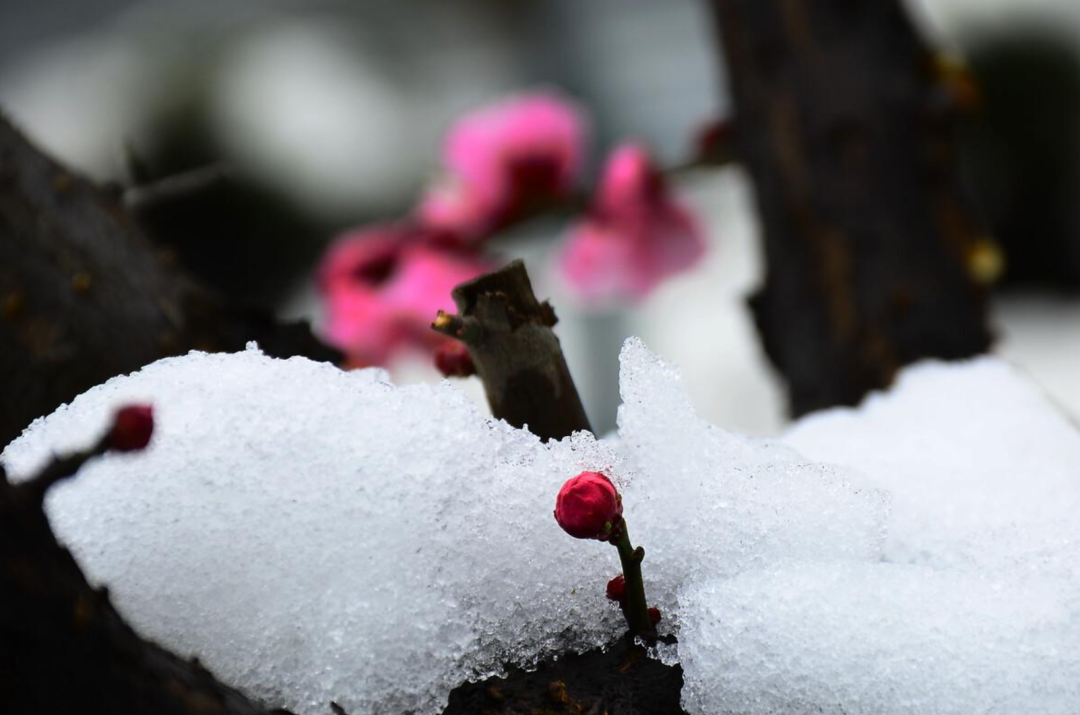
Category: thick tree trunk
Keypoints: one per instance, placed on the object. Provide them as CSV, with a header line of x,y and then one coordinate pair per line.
x,y
85,296
873,256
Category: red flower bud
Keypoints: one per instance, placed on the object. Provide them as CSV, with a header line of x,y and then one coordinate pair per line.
x,y
588,507
714,140
654,615
616,589
452,359
132,428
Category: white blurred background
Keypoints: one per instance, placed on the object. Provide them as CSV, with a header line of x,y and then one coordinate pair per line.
x,y
335,111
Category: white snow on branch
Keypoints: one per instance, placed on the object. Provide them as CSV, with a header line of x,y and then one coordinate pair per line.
x,y
313,535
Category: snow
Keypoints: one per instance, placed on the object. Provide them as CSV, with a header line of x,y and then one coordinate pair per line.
x,y
705,502
971,452
313,535
880,638
975,606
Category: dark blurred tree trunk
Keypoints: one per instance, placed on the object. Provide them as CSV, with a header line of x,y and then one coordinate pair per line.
x,y
874,258
85,296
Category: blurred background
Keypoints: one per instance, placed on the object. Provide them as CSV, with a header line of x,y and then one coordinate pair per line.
x,y
330,115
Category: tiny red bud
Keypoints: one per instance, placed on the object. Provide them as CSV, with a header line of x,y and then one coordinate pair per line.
x,y
714,140
616,589
452,359
588,506
132,428
654,615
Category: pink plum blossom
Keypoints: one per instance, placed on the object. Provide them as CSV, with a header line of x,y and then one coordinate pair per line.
x,y
635,235
456,214
382,286
519,152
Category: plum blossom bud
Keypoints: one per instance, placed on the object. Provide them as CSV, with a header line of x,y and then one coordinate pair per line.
x,y
452,359
132,428
654,615
635,235
714,141
616,589
588,506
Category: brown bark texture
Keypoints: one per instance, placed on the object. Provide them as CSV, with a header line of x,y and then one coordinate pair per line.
x,y
85,296
517,356
874,257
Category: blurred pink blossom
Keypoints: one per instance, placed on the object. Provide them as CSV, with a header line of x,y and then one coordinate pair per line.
x,y
635,235
382,286
524,150
456,214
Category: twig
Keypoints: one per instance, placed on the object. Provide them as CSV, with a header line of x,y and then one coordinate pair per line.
x,y
517,356
177,187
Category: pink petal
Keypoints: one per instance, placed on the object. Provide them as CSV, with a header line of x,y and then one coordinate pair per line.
x,y
456,215
524,147
636,236
381,288
630,178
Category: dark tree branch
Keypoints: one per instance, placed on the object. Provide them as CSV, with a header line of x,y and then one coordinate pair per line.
x,y
874,258
517,356
85,296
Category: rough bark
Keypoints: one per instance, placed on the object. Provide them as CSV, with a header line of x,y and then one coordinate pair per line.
x,y
620,679
65,649
85,296
873,256
517,356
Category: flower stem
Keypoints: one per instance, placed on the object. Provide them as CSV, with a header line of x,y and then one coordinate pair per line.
x,y
636,609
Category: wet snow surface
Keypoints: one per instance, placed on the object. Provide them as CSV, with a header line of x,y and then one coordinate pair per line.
x,y
313,535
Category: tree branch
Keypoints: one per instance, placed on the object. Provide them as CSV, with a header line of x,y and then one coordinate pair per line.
x,y
85,296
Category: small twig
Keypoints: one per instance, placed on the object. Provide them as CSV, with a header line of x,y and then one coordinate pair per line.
x,y
57,470
176,187
517,356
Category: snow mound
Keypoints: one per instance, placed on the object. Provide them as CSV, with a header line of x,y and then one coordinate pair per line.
x,y
316,535
707,503
313,535
880,638
976,605
972,453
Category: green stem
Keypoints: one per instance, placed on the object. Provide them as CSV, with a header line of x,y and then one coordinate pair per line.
x,y
636,609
